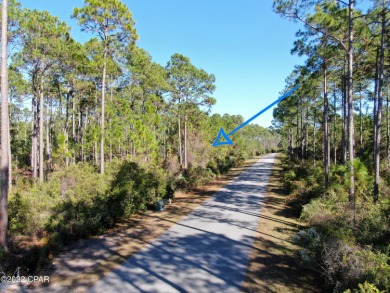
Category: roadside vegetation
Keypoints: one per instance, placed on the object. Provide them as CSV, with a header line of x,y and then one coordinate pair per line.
x,y
336,128
347,243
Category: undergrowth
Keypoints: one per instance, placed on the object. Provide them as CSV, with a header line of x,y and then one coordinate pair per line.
x,y
347,243
77,202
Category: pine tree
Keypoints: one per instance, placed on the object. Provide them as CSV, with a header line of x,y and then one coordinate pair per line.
x,y
112,21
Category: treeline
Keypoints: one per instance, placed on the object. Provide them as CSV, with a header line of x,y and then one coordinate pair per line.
x,y
337,135
99,131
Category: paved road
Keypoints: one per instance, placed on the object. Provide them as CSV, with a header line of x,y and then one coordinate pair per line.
x,y
208,251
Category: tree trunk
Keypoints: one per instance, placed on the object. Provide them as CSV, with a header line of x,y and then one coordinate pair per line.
x,y
185,142
95,138
306,132
375,110
302,136
297,136
326,129
73,129
48,143
361,122
344,120
388,128
179,130
34,137
5,138
334,124
80,134
290,141
110,125
66,128
351,124
103,109
377,148
314,136
40,118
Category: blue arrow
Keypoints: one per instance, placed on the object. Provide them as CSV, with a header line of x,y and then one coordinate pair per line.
x,y
217,141
222,133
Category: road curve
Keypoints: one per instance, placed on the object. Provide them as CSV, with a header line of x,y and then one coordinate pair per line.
x,y
208,251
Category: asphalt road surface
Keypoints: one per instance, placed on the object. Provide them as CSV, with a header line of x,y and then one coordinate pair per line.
x,y
208,251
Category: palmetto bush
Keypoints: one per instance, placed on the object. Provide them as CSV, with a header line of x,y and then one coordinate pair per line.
x,y
348,242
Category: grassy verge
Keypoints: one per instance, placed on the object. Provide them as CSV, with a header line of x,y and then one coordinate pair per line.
x,y
273,265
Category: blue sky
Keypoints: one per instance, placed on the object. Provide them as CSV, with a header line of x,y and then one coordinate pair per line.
x,y
243,43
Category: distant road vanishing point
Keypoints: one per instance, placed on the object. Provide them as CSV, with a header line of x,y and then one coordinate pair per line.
x,y
208,251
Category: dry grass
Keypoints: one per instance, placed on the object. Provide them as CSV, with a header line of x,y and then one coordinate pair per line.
x,y
273,266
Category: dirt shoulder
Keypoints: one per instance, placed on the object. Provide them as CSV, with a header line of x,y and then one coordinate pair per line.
x,y
87,261
273,264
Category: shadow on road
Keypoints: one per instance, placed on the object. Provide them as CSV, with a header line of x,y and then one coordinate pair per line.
x,y
208,251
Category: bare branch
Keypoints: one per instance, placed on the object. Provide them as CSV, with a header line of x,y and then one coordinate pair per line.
x,y
342,2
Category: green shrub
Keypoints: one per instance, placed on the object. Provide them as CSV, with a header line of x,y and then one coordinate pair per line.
x,y
317,212
77,181
134,188
363,180
30,209
78,202
19,215
170,189
302,182
378,273
364,288
197,176
288,178
223,164
213,166
75,219
90,205
347,246
373,225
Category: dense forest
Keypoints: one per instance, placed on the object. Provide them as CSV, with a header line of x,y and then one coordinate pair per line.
x,y
336,129
98,131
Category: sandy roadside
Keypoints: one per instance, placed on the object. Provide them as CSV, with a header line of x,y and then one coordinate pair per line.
x,y
273,265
